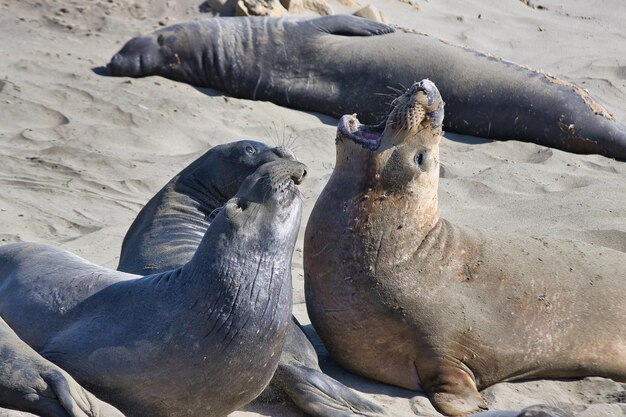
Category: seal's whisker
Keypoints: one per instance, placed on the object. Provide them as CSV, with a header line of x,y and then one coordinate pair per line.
x,y
256,208
397,90
214,213
279,138
386,95
270,137
292,141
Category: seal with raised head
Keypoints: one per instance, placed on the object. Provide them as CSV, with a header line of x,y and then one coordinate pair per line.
x,y
340,64
201,339
402,296
30,383
169,229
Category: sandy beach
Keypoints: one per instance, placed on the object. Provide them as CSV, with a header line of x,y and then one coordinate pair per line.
x,y
81,153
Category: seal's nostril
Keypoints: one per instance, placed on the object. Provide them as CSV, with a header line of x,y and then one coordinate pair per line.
x,y
298,176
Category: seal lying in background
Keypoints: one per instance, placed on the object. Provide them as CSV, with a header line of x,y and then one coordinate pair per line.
x,y
402,296
202,339
339,64
30,383
167,232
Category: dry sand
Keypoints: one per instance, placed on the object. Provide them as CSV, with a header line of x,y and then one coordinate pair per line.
x,y
81,153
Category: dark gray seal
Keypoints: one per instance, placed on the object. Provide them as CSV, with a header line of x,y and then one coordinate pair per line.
x,y
402,296
167,232
202,339
341,64
30,383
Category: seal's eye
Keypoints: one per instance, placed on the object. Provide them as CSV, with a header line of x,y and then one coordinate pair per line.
x,y
250,150
420,158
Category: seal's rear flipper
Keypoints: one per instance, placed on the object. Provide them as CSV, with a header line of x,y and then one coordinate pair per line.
x,y
322,396
345,25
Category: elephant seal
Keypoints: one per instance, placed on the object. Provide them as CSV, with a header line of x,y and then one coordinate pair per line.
x,y
169,229
402,296
30,383
340,64
202,339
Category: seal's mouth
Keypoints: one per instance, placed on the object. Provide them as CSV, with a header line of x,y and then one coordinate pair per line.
x,y
368,136
420,105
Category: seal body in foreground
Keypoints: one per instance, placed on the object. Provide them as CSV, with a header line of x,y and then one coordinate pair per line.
x,y
169,229
402,296
30,383
200,340
341,64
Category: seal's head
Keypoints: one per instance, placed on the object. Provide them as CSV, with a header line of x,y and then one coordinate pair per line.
x,y
218,174
140,56
166,52
402,153
265,213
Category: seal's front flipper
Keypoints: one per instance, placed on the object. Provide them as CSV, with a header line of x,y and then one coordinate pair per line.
x,y
77,401
453,393
345,25
320,395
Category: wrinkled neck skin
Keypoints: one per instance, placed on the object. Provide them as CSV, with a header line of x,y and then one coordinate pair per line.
x,y
387,220
253,263
206,197
189,203
170,227
222,62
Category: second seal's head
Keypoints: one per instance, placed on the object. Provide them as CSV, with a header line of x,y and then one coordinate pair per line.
x,y
402,153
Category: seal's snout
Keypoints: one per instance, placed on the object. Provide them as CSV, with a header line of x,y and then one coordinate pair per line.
x,y
432,101
427,87
269,190
285,153
115,66
283,176
273,178
291,171
138,57
420,105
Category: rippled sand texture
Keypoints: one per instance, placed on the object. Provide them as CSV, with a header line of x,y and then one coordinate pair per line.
x,y
81,153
